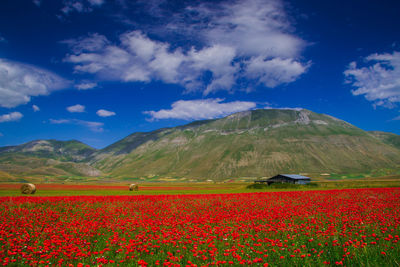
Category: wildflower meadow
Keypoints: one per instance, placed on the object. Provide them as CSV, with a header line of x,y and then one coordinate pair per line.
x,y
333,227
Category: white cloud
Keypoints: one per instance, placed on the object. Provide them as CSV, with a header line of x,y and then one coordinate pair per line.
x,y
200,109
13,116
219,60
105,113
253,27
379,80
76,108
86,85
136,59
96,2
283,108
80,6
94,42
2,39
35,108
275,71
19,82
244,39
60,121
92,125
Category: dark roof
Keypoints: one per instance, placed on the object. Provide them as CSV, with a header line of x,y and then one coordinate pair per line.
x,y
295,176
290,176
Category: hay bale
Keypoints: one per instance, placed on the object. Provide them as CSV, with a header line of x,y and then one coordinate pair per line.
x,y
28,189
133,187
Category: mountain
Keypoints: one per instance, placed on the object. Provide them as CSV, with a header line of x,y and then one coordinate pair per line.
x,y
65,150
46,157
388,138
246,144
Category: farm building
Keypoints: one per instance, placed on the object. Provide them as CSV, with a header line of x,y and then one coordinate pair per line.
x,y
286,178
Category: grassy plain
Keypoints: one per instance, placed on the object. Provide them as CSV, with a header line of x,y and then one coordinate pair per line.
x,y
173,188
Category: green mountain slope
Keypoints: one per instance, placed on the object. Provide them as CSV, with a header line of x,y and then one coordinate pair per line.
x,y
46,157
388,138
248,144
64,150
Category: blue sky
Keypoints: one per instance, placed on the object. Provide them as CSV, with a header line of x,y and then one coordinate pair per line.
x,y
99,70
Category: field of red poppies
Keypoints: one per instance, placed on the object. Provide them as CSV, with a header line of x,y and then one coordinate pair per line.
x,y
334,227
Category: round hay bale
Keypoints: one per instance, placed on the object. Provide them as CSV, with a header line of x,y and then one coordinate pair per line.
x,y
28,189
133,187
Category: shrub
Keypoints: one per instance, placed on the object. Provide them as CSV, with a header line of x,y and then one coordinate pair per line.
x,y
257,186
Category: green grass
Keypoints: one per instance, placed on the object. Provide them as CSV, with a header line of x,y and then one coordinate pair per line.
x,y
157,188
17,192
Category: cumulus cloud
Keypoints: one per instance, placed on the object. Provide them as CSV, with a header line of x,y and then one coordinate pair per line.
x,y
35,108
86,85
275,71
200,109
76,108
243,39
137,58
105,113
19,82
13,116
378,80
253,27
92,125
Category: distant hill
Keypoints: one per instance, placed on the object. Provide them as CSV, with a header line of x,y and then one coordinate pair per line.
x,y
245,144
65,150
47,158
